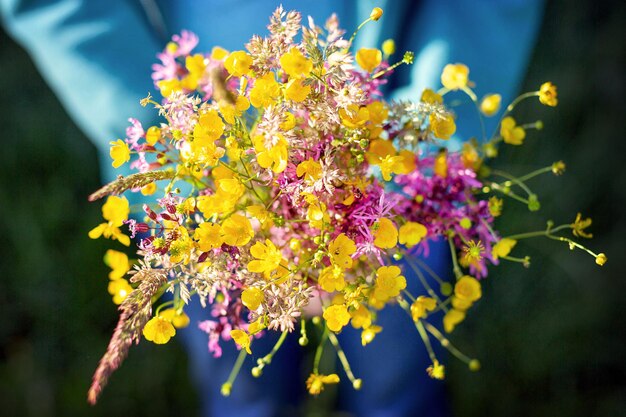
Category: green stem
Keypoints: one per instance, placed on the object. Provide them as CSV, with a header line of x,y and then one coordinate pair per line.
x,y
319,351
455,263
342,357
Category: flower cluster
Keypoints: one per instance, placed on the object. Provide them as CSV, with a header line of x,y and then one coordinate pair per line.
x,y
280,179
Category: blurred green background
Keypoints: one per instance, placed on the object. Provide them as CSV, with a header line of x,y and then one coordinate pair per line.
x,y
551,338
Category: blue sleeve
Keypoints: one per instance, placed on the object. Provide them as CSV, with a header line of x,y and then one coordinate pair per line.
x,y
96,57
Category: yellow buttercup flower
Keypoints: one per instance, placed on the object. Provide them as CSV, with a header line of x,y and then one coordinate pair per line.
x,y
390,165
495,206
180,249
368,335
119,152
389,47
242,339
153,134
252,297
118,262
389,282
149,189
452,318
179,319
385,234
265,91
412,233
209,236
601,259
231,111
116,210
440,167
376,13
237,230
238,63
340,251
315,383
490,104
436,370
310,169
369,58
430,97
289,122
332,279
547,94
267,255
336,317
218,53
275,157
442,125
167,87
295,64
468,288
209,127
510,132
354,117
119,289
579,226
196,65
361,318
460,304
421,306
158,330
407,163
455,76
296,90
503,248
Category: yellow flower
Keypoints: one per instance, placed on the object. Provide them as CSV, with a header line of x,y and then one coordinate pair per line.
x,y
218,53
242,339
275,157
452,318
332,279
179,319
315,382
547,94
153,134
238,63
470,157
407,163
368,335
295,90
412,233
390,165
468,288
389,282
109,232
340,251
209,236
385,234
267,256
158,330
230,111
312,170
495,206
503,248
361,318
376,13
369,58
455,76
116,210
149,189
601,259
295,64
420,307
167,87
389,47
119,289
265,91
118,262
119,152
180,249
460,304
252,298
436,370
490,104
231,187
256,326
512,134
237,230
336,317
579,226
430,97
317,215
354,117
196,65
289,122
442,125
209,127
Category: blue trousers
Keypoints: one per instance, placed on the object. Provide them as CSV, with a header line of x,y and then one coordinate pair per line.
x,y
392,367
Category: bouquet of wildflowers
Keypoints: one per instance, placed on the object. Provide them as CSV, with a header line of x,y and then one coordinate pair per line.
x,y
280,179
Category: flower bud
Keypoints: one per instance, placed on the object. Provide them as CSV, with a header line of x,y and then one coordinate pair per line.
x,y
376,13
